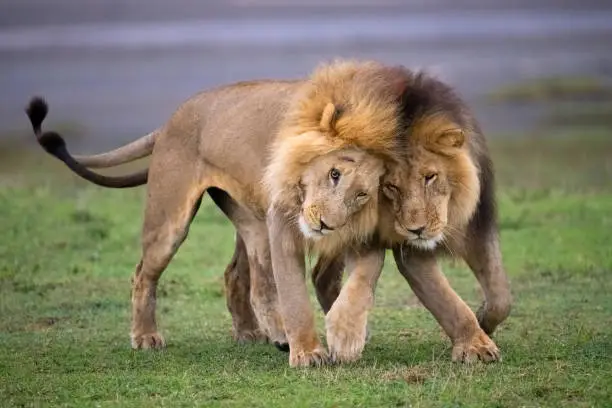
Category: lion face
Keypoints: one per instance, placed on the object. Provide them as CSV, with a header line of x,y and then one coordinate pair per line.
x,y
334,188
434,192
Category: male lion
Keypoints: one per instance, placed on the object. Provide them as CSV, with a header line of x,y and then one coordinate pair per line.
x,y
437,198
218,141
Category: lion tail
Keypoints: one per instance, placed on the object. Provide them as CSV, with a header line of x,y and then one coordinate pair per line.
x,y
55,145
135,150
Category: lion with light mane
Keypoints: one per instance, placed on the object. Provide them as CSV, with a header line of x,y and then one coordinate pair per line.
x,y
219,142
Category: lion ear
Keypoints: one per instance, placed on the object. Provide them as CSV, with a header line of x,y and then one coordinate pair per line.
x,y
328,118
450,138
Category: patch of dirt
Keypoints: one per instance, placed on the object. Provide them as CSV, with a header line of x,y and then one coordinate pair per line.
x,y
42,324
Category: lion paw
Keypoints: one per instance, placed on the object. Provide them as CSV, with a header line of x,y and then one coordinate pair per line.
x,y
303,358
346,338
148,341
480,347
250,336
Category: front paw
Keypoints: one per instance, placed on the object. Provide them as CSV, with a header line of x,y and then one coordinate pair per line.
x,y
306,358
479,347
249,336
346,337
148,341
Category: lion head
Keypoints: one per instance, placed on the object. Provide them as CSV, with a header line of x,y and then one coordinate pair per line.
x,y
435,190
326,162
339,194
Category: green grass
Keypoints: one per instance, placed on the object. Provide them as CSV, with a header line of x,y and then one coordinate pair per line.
x,y
67,251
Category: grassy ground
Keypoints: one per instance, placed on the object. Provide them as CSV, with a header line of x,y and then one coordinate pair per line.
x,y
68,249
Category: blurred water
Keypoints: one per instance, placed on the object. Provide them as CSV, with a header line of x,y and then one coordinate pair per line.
x,y
121,79
294,31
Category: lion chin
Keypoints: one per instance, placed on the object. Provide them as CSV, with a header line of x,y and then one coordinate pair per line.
x,y
426,244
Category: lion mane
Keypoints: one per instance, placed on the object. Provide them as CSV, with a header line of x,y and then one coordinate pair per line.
x,y
345,104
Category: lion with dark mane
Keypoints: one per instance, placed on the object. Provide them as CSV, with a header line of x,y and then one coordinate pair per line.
x,y
321,147
437,197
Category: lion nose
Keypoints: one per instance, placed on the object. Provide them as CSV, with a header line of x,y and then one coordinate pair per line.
x,y
324,226
417,231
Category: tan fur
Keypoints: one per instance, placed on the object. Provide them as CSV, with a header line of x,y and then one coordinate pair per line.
x,y
234,138
221,140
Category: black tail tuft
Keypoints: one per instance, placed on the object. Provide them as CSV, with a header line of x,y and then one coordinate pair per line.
x,y
37,111
52,143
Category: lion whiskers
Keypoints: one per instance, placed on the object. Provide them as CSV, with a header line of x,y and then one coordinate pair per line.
x,y
402,253
454,233
448,246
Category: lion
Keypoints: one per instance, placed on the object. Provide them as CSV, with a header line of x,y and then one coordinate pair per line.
x,y
219,141
438,198
443,202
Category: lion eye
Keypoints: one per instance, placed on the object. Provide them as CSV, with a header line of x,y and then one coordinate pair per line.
x,y
334,174
390,188
362,194
429,178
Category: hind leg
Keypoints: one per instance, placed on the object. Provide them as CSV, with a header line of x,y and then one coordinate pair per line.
x,y
264,297
238,294
237,277
173,197
483,256
254,288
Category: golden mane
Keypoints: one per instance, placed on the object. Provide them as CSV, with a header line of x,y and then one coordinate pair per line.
x,y
342,104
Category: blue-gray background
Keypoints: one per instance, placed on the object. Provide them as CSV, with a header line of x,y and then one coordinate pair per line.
x,y
119,68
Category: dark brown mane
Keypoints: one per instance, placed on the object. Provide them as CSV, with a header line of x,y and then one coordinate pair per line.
x,y
425,95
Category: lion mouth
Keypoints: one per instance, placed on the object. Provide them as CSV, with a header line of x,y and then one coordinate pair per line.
x,y
311,233
419,239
